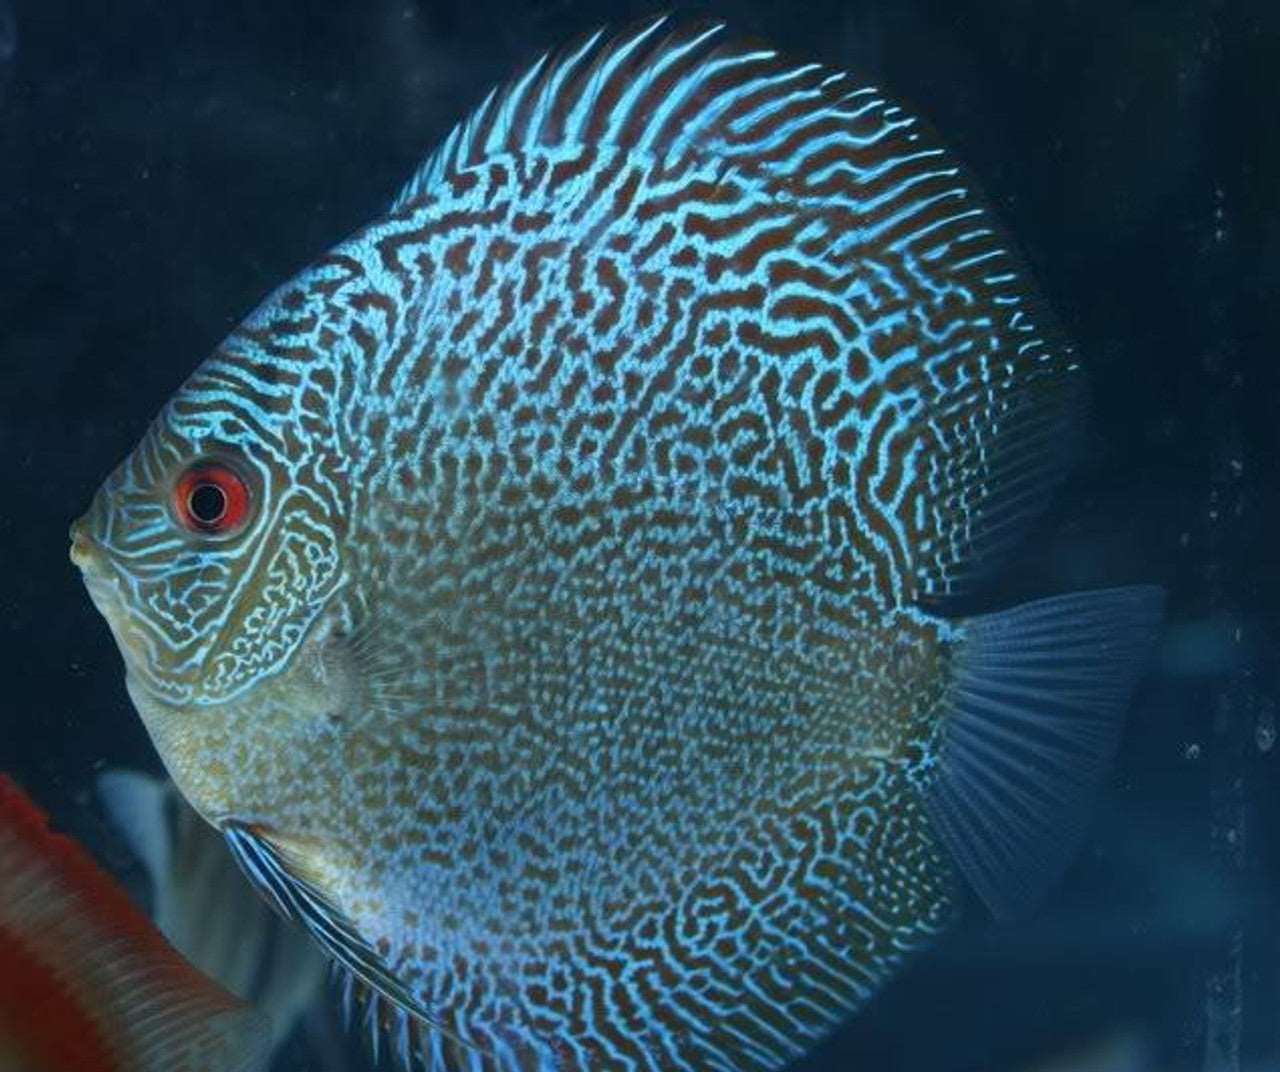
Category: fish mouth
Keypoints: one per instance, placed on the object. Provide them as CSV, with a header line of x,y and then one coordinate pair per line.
x,y
104,593
84,551
88,558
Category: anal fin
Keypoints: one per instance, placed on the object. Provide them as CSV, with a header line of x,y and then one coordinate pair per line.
x,y
266,867
392,1018
412,1045
1029,729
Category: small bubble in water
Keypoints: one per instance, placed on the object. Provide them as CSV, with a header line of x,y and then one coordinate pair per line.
x,y
1264,733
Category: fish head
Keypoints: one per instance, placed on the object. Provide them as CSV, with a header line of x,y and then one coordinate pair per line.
x,y
213,552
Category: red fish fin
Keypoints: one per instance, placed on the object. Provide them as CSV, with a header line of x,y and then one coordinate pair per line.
x,y
42,1025
151,1009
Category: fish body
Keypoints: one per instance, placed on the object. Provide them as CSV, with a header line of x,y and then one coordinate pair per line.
x,y
86,983
545,591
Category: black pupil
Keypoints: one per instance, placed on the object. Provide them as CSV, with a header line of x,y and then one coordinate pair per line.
x,y
208,503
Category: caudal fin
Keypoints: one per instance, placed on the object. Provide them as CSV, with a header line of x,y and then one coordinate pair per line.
x,y
1029,729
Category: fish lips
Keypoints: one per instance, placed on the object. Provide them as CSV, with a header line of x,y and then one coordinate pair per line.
x,y
104,591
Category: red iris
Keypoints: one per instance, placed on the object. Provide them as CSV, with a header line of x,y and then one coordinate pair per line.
x,y
211,497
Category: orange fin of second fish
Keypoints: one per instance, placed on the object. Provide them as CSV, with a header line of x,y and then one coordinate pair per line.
x,y
86,982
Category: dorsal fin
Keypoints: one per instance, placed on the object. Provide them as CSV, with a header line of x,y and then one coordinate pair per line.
x,y
986,393
667,90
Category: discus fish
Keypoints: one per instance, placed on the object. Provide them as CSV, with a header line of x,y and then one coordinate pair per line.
x,y
549,592
86,983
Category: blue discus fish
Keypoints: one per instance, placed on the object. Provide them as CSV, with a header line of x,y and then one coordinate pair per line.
x,y
547,591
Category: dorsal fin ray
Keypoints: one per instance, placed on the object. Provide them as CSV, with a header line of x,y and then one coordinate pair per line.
x,y
689,89
987,393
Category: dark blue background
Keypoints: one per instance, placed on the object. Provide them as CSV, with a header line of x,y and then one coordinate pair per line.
x,y
163,165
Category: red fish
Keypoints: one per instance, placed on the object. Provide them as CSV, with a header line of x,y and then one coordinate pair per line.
x,y
87,984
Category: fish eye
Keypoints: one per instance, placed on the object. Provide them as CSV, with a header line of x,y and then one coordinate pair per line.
x,y
211,498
